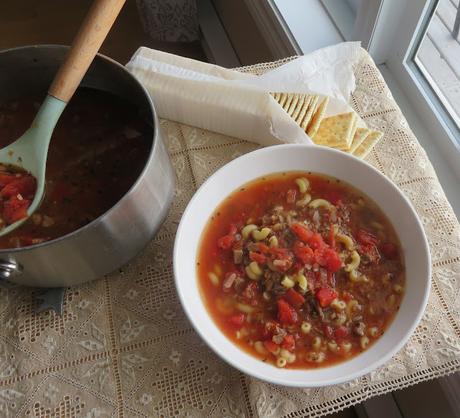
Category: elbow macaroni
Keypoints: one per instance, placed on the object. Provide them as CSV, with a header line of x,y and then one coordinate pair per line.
x,y
355,276
304,201
346,241
247,230
302,282
320,203
355,261
273,241
303,184
262,234
253,271
287,282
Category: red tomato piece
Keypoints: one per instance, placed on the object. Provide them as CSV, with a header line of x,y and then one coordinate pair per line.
x,y
294,298
226,242
316,241
389,250
288,342
303,253
25,186
6,178
328,258
325,296
333,261
302,232
286,313
263,248
341,332
271,346
371,251
257,257
237,320
15,209
280,253
366,238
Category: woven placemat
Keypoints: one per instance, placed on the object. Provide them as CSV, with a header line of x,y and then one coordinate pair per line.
x,y
125,348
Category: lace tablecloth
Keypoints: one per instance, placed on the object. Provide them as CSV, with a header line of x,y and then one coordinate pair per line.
x,y
123,346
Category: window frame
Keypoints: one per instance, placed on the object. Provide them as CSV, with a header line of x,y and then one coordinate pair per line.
x,y
406,22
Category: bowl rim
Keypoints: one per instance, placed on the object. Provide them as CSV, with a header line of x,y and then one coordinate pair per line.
x,y
282,381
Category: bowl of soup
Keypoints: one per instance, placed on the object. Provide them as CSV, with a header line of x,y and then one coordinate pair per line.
x,y
109,181
302,265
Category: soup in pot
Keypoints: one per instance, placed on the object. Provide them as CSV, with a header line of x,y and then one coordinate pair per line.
x,y
98,150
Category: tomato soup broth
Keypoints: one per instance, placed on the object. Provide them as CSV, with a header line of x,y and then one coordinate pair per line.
x,y
97,151
300,270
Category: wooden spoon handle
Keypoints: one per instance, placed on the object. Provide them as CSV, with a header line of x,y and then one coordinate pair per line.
x,y
84,48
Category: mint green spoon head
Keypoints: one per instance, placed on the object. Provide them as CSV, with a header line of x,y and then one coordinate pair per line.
x,y
31,149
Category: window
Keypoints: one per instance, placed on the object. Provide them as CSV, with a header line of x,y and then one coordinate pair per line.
x,y
413,39
438,56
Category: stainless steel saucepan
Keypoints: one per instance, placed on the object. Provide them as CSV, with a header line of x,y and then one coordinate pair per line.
x,y
119,234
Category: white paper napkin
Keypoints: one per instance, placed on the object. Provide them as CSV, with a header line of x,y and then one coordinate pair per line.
x,y
237,104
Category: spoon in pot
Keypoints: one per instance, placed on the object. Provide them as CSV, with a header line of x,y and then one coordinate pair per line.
x,y
31,149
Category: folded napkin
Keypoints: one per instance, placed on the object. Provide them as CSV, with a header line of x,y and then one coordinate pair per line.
x,y
238,104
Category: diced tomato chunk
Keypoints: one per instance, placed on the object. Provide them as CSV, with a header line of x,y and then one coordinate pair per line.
x,y
328,258
280,253
263,248
237,320
15,209
226,242
333,261
366,238
325,296
288,342
271,346
303,253
286,313
341,332
316,241
257,257
294,298
6,178
302,232
371,251
389,250
25,186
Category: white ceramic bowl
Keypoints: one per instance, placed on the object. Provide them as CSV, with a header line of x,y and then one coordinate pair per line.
x,y
320,160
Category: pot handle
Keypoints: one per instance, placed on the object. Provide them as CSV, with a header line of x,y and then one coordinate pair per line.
x,y
9,268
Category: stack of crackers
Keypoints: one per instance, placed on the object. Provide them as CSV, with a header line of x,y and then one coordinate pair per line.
x,y
338,131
